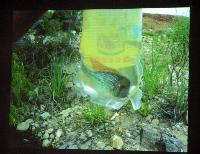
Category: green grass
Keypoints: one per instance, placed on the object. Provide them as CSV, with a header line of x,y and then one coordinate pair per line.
x,y
168,47
95,114
57,77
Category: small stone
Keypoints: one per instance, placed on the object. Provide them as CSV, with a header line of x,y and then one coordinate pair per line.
x,y
45,115
116,142
59,132
50,130
33,128
167,129
155,122
64,146
49,125
150,137
171,144
128,134
76,107
178,126
78,113
36,125
39,134
173,127
23,126
83,137
44,124
30,121
135,131
42,107
89,133
46,136
46,143
72,147
51,136
84,146
108,148
149,117
100,145
114,116
113,123
72,134
65,113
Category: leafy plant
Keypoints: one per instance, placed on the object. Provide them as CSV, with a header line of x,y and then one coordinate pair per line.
x,y
145,108
20,85
57,78
16,113
95,114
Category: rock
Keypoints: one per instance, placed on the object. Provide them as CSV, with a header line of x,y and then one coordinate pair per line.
x,y
52,136
117,120
33,128
114,116
155,122
42,107
86,145
108,148
150,137
39,134
46,143
171,144
65,113
30,121
113,123
45,115
36,125
128,134
83,137
178,126
59,132
76,107
72,134
100,145
23,126
89,133
135,131
50,130
149,118
116,142
73,147
45,136
44,124
50,125
64,146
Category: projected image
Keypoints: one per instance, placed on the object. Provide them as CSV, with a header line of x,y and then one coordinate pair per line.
x,y
109,79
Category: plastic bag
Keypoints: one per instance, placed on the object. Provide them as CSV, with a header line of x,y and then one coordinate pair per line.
x,y
110,49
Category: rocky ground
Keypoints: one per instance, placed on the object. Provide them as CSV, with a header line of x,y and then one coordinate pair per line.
x,y
124,130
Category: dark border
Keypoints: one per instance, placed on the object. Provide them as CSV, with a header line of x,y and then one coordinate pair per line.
x,y
5,59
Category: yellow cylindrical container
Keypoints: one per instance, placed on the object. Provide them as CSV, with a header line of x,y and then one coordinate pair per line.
x,y
110,48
